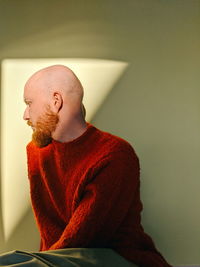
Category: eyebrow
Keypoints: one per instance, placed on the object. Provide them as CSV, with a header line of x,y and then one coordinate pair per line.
x,y
27,101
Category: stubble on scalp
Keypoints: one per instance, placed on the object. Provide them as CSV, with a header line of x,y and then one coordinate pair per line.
x,y
46,124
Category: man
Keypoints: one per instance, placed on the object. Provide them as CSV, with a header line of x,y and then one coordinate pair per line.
x,y
84,183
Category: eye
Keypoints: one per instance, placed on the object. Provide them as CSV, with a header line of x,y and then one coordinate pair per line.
x,y
28,103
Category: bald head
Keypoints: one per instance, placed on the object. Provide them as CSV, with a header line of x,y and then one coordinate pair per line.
x,y
57,78
55,93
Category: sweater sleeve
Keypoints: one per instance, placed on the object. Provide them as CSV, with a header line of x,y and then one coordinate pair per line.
x,y
104,205
110,190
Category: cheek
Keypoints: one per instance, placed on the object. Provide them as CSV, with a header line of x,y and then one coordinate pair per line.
x,y
34,114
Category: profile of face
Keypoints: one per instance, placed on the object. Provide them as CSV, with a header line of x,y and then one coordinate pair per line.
x,y
43,127
53,97
43,123
39,116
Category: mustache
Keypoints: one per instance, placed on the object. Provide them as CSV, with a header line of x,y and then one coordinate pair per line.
x,y
29,123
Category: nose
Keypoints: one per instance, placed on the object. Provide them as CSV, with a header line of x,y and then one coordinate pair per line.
x,y
26,114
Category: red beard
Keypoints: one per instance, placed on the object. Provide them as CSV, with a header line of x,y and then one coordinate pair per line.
x,y
46,124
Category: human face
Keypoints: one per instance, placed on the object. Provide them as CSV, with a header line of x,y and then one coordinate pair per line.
x,y
40,117
34,108
44,127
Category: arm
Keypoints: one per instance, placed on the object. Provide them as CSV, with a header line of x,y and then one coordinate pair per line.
x,y
106,201
107,197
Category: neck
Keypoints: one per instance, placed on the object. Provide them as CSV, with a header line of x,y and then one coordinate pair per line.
x,y
69,130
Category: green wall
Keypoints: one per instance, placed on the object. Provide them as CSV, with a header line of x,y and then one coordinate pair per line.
x,y
155,105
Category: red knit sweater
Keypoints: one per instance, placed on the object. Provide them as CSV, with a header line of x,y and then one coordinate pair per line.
x,y
85,193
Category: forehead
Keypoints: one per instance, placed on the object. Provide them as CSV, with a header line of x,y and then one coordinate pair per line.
x,y
28,93
33,88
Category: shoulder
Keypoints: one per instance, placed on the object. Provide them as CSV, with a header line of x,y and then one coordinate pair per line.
x,y
109,144
32,150
112,151
115,158
30,147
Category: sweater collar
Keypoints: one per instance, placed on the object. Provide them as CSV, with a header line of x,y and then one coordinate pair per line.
x,y
80,139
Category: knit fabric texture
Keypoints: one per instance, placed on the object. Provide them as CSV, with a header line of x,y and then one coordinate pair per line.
x,y
86,193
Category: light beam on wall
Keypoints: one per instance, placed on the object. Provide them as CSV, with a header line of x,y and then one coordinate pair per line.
x,y
97,77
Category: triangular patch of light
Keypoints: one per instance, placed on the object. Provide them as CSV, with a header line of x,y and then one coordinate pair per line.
x,y
98,78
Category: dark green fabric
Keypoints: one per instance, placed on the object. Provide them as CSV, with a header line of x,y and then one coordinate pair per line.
x,y
72,257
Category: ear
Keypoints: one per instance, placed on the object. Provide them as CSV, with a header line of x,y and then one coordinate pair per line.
x,y
57,102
